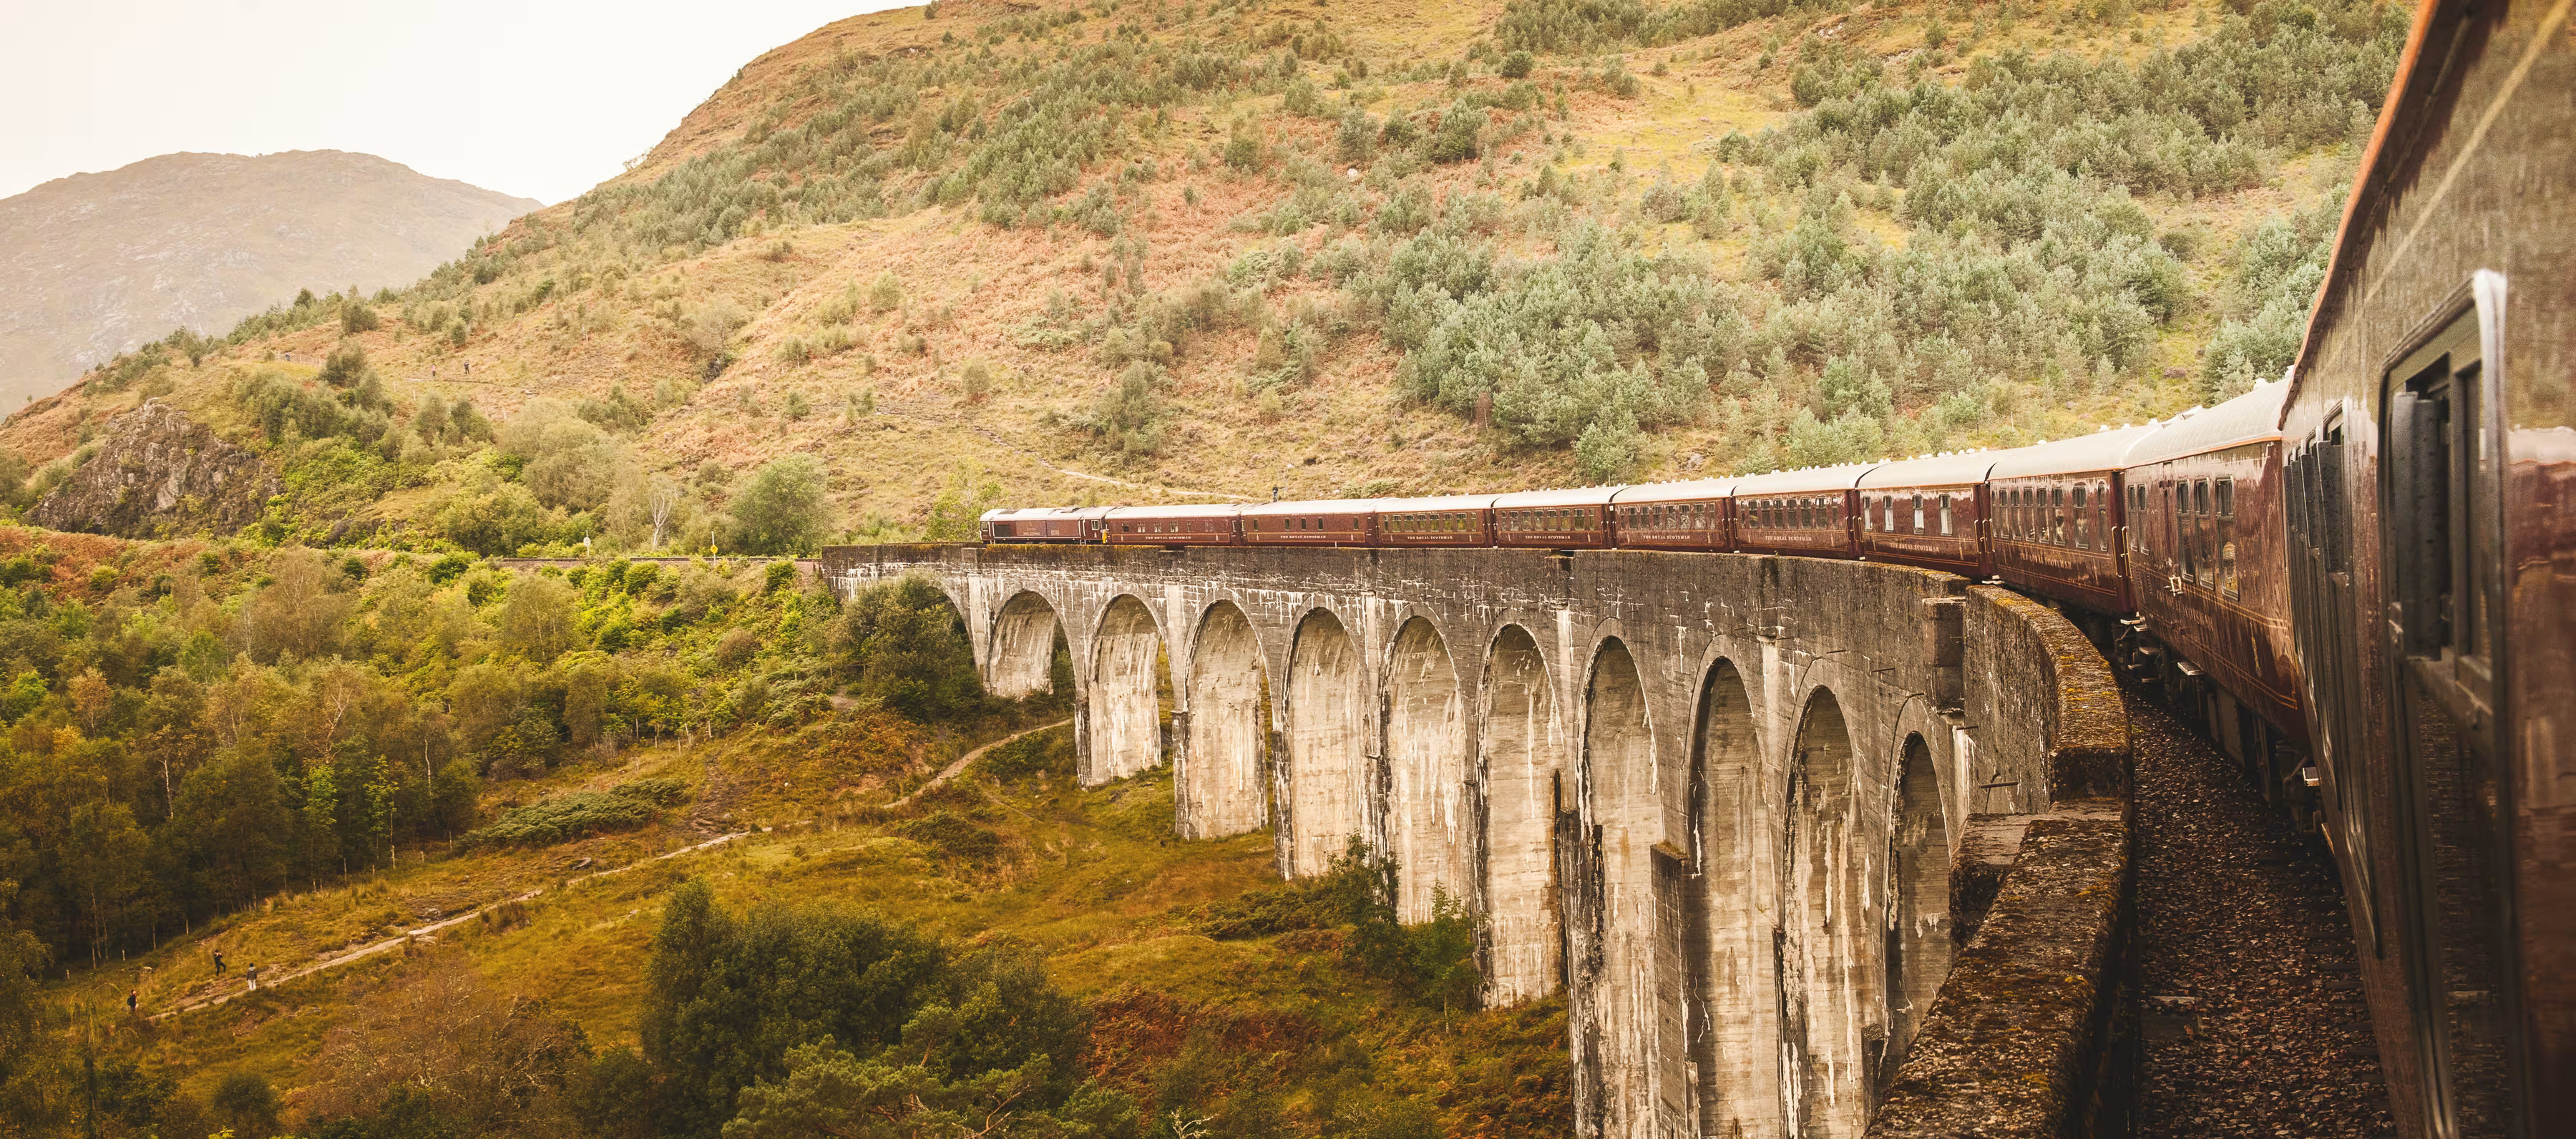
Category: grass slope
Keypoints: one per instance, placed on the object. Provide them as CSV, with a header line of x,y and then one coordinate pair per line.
x,y
1092,877
730,283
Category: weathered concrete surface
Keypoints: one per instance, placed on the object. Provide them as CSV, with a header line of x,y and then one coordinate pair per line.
x,y
1718,796
2012,1045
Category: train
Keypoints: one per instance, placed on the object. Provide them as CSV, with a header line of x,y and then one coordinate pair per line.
x,y
2360,579
2163,541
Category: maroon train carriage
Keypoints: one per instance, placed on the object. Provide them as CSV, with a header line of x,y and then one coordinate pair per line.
x,y
1197,525
1924,512
2206,559
2433,568
1048,524
2055,521
1809,512
1577,519
1451,520
1690,515
1343,523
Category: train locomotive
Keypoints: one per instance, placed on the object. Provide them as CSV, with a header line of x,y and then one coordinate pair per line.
x,y
2360,579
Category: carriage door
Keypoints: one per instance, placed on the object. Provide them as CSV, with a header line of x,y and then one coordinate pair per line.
x,y
2441,547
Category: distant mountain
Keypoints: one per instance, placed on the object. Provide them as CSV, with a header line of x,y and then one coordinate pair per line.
x,y
94,264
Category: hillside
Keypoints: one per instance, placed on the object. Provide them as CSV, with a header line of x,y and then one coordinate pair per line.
x,y
449,815
96,264
926,260
1047,253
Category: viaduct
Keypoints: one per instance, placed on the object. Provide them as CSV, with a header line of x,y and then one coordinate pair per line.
x,y
1745,811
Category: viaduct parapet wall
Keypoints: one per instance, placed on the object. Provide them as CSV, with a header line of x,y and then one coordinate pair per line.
x,y
1736,807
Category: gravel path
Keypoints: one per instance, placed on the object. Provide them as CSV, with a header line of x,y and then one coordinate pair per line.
x,y
2253,1017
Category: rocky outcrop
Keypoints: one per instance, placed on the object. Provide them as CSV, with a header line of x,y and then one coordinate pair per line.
x,y
160,474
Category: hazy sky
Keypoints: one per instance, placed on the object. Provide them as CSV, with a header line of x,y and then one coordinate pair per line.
x,y
538,98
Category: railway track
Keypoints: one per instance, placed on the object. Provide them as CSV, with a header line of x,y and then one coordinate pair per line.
x,y
2251,1018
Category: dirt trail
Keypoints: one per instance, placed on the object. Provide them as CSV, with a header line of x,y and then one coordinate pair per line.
x,y
958,768
390,944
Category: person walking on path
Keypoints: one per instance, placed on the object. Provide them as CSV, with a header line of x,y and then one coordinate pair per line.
x,y
219,962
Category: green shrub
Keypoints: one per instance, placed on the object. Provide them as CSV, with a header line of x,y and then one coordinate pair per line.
x,y
618,412
660,791
1456,139
755,1012
1356,139
782,509
344,367
564,818
1129,418
906,648
1244,151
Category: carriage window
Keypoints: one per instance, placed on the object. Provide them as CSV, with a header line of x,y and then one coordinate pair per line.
x,y
1945,514
2102,517
1918,514
2178,514
2137,512
2205,568
2083,528
2226,494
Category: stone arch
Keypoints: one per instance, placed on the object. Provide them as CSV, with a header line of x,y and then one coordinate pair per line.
x,y
1328,768
1731,964
1918,913
1636,1001
1020,660
1223,784
1833,1031
1522,766
1427,823
1128,675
